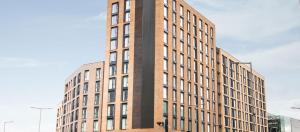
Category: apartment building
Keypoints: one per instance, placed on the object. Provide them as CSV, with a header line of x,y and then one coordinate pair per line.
x,y
161,64
242,96
59,117
163,72
80,110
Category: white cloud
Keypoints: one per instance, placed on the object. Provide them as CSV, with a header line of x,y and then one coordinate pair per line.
x,y
282,58
251,19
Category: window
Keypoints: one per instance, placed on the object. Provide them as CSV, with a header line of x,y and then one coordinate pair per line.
x,y
188,15
207,82
114,32
127,17
96,112
166,25
174,83
181,59
125,68
182,125
125,82
181,111
166,2
174,30
166,12
174,17
127,5
181,10
98,73
174,123
110,110
124,95
208,105
189,100
165,52
126,56
85,88
123,123
207,71
181,98
181,35
114,20
115,8
124,109
165,79
181,46
165,65
174,110
181,85
112,83
174,56
174,69
165,93
181,72
165,108
174,95
112,70
97,99
181,22
126,42
110,124
188,27
111,96
96,126
206,29
86,75
200,24
113,58
126,29
165,38
113,44
202,104
174,5
206,49
83,126
84,113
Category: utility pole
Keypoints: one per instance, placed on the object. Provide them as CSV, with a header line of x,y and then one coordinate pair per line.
x,y
40,120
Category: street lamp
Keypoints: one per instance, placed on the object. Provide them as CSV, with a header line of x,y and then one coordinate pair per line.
x,y
40,120
4,124
296,108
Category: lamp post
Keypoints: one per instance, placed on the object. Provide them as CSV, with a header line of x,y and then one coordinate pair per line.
x,y
40,120
4,124
295,108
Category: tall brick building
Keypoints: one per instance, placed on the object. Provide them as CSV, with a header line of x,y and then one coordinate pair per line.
x,y
163,73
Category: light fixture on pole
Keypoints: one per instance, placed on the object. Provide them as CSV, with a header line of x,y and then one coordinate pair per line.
x,y
4,124
295,108
40,120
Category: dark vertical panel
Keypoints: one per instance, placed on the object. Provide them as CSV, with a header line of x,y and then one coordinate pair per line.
x,y
148,63
143,96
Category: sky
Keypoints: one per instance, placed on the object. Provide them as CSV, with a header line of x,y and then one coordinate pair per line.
x,y
42,42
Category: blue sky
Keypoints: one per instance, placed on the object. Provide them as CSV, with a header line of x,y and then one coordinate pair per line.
x,y
42,42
